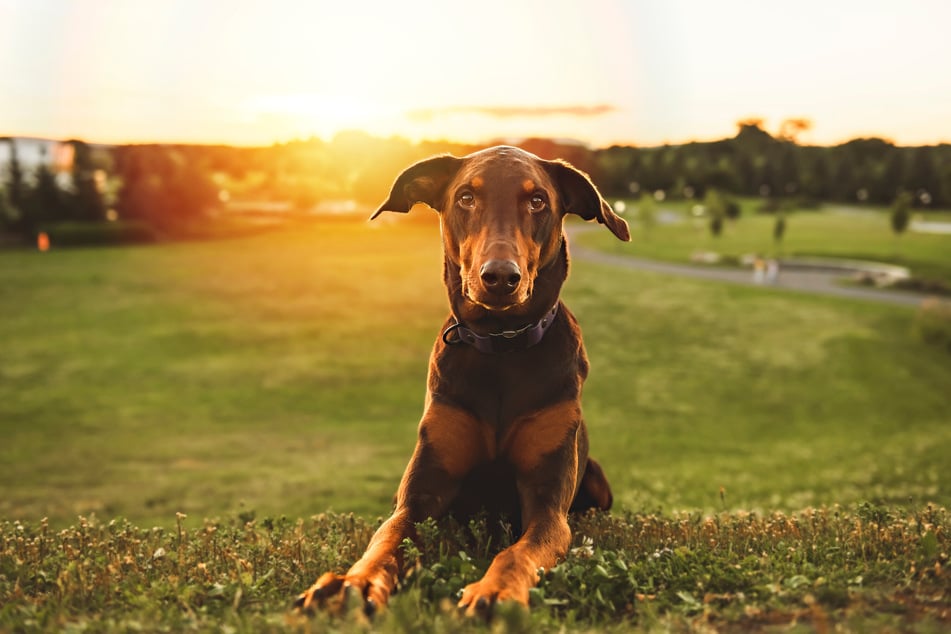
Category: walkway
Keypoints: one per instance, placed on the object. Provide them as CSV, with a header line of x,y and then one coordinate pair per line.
x,y
804,281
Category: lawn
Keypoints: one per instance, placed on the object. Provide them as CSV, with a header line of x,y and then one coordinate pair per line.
x,y
281,376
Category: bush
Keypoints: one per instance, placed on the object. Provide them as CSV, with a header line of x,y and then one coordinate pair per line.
x,y
924,285
808,203
732,209
901,212
768,206
71,234
932,324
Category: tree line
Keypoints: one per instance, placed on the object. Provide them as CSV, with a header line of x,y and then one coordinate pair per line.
x,y
30,200
755,163
167,187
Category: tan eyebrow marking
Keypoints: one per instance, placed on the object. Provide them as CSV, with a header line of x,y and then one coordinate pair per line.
x,y
528,185
477,182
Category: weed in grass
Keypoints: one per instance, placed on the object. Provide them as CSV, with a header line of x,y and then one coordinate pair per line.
x,y
862,568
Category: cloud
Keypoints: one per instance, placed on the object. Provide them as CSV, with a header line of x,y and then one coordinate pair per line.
x,y
506,112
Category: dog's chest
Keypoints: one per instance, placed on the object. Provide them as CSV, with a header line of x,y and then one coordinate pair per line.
x,y
501,389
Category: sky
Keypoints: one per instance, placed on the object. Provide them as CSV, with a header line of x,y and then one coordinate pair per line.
x,y
640,72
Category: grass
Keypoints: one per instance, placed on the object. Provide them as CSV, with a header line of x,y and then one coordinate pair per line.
x,y
281,376
869,569
146,381
838,231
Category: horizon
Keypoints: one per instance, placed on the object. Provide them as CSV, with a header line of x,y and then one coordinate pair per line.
x,y
609,73
436,141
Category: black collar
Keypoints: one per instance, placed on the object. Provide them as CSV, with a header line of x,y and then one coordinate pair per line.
x,y
505,341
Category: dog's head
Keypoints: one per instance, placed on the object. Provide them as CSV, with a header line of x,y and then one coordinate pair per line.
x,y
501,213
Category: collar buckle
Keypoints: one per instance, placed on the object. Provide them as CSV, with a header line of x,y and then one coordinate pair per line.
x,y
457,333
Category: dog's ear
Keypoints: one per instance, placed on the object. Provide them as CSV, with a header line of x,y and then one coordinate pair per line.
x,y
423,182
580,196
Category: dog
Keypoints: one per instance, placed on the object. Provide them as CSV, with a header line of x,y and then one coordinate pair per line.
x,y
502,429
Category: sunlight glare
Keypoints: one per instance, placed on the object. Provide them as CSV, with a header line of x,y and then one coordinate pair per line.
x,y
314,114
604,71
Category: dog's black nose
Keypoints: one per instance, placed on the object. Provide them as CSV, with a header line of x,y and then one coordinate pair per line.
x,y
500,276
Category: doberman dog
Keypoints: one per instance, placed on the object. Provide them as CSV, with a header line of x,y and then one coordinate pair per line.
x,y
502,429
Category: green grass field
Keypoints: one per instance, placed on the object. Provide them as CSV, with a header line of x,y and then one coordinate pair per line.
x,y
282,376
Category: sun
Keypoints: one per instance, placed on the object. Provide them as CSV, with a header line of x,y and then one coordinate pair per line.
x,y
315,114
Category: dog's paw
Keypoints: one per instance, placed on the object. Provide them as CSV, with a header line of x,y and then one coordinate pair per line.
x,y
343,594
479,598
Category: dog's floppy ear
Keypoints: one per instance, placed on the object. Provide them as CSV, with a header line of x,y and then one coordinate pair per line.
x,y
422,182
580,196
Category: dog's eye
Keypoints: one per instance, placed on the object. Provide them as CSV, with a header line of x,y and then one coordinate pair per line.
x,y
466,200
537,202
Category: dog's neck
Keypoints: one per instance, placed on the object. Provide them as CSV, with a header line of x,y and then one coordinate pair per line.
x,y
482,321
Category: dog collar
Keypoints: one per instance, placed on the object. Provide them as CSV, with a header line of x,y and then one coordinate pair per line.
x,y
498,342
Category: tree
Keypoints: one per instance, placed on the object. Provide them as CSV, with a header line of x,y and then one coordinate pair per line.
x,y
779,230
647,213
921,174
615,168
17,217
790,129
44,201
85,202
753,147
732,209
716,209
901,212
163,188
8,214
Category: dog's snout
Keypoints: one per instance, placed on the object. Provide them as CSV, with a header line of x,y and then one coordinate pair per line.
x,y
500,276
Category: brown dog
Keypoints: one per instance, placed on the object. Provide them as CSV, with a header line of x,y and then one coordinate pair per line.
x,y
502,428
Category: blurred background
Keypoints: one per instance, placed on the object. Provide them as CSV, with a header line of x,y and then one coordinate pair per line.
x,y
195,317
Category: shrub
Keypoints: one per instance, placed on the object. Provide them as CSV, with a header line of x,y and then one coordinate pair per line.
x,y
932,324
768,206
779,228
808,203
70,234
924,285
732,209
901,212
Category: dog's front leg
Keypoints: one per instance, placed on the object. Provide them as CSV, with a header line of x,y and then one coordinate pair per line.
x,y
546,485
450,442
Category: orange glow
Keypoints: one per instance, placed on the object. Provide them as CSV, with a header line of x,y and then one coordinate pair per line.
x,y
604,71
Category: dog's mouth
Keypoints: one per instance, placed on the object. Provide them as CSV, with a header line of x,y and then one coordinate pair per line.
x,y
476,292
493,307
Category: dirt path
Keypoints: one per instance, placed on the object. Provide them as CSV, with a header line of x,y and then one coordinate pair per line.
x,y
804,281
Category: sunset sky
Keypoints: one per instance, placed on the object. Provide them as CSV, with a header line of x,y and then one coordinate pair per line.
x,y
642,72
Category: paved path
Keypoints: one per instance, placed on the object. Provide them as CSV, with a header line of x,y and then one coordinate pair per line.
x,y
816,282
